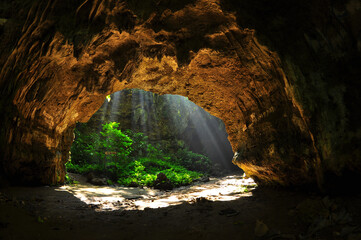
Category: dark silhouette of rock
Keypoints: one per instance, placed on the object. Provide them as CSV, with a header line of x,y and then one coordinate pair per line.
x,y
99,181
93,179
162,182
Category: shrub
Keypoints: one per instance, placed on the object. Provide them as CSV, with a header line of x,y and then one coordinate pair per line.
x,y
193,161
144,172
110,145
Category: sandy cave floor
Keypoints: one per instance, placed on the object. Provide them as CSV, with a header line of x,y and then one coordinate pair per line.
x,y
222,208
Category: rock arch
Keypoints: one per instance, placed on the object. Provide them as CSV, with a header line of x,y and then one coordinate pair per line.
x,y
56,76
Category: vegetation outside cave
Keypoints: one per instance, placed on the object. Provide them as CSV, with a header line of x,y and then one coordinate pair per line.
x,y
138,138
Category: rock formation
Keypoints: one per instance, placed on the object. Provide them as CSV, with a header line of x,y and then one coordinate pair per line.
x,y
289,103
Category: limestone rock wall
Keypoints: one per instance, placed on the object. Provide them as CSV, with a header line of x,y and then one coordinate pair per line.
x,y
71,54
319,43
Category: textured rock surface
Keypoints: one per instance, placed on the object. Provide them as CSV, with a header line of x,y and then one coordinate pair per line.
x,y
289,121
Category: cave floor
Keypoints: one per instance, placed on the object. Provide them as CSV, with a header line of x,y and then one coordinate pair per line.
x,y
218,209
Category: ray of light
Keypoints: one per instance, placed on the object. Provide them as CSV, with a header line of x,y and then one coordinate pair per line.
x,y
143,114
206,129
153,113
115,102
105,107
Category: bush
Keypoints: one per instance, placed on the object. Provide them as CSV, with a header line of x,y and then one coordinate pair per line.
x,y
193,161
144,172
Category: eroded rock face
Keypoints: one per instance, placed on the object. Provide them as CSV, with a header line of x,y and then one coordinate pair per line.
x,y
71,54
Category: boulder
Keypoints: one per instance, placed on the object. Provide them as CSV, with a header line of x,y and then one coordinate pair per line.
x,y
162,182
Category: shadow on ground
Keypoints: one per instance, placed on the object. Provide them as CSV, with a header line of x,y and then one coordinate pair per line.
x,y
47,213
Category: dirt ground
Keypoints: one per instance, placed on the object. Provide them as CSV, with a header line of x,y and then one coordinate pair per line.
x,y
222,208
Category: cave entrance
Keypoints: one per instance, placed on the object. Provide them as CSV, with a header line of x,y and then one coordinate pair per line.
x,y
139,144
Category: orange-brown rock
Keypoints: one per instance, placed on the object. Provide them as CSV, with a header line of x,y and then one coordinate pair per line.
x,y
71,54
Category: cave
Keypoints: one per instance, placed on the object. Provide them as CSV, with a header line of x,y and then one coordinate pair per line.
x,y
283,77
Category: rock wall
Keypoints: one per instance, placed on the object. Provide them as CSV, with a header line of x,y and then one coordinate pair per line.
x,y
319,43
289,104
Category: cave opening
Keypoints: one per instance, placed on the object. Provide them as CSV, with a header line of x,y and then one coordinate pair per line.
x,y
284,78
155,150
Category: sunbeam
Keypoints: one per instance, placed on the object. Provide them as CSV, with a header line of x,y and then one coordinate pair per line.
x,y
207,129
115,101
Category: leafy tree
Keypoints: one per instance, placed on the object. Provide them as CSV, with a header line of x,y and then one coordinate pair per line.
x,y
116,145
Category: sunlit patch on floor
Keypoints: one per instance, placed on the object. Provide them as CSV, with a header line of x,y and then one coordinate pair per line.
x,y
127,198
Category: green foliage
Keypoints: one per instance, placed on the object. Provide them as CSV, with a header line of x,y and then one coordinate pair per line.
x,y
68,180
140,143
40,219
144,172
116,144
84,168
193,161
110,145
128,158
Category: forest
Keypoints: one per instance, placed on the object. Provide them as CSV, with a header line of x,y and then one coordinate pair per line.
x,y
129,153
